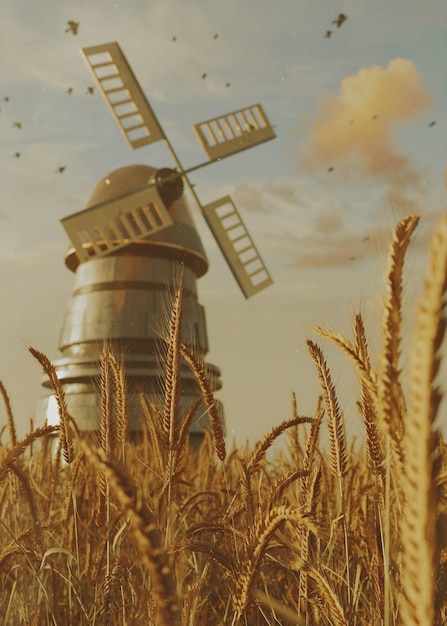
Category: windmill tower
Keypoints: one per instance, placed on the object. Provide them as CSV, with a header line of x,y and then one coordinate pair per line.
x,y
126,246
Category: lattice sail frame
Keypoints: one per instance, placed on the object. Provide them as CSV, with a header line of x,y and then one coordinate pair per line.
x,y
227,134
123,94
237,246
107,227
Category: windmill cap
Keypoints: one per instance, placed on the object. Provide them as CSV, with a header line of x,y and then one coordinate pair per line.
x,y
182,237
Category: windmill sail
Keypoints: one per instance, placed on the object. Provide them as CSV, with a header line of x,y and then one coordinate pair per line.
x,y
237,246
227,134
107,227
102,229
123,94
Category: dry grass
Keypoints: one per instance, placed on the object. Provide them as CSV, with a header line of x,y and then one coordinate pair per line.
x,y
148,532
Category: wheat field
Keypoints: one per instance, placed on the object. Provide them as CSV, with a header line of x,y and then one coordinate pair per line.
x,y
109,529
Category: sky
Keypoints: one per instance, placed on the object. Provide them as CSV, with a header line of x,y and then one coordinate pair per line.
x,y
360,119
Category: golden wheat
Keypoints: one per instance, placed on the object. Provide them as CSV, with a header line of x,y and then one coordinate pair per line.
x,y
249,536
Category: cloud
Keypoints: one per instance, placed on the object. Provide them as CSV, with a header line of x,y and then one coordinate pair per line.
x,y
326,248
337,251
265,196
354,129
329,222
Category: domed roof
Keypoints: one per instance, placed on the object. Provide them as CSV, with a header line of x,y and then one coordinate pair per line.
x,y
181,239
120,182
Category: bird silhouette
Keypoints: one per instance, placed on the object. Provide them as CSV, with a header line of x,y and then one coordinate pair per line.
x,y
216,36
89,90
375,117
328,34
70,90
17,125
330,169
204,76
174,39
72,27
61,169
432,123
17,155
227,85
340,19
6,99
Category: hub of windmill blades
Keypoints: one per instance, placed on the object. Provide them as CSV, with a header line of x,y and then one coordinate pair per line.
x,y
169,184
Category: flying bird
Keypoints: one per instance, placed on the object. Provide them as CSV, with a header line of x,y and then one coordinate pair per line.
x,y
216,36
60,169
72,27
204,76
17,155
70,90
375,117
6,99
17,125
227,85
330,169
432,123
340,19
328,34
89,90
174,39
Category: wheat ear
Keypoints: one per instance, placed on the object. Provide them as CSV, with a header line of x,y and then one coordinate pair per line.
x,y
418,524
22,445
65,431
122,410
107,426
338,617
107,431
172,378
9,415
208,397
336,426
264,444
266,525
390,397
368,406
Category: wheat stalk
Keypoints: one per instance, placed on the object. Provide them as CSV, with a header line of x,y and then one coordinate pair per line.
x,y
146,533
418,520
337,438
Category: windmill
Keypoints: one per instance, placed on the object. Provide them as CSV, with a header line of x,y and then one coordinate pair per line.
x,y
136,229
